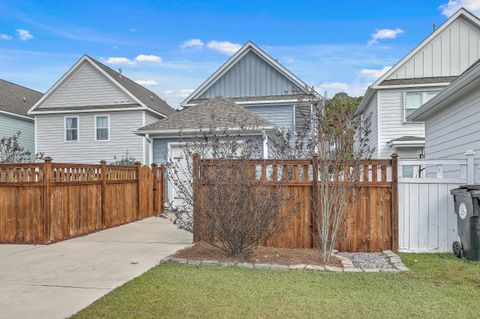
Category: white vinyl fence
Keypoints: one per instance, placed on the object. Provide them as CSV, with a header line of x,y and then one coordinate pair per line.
x,y
427,220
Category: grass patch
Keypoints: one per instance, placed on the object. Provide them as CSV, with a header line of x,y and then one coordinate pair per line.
x,y
439,286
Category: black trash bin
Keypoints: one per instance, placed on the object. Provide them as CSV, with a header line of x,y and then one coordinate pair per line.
x,y
467,208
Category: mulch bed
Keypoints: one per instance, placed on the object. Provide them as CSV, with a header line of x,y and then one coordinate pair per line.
x,y
262,255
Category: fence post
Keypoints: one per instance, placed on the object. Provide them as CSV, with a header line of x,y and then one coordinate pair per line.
x,y
138,165
104,192
155,194
394,213
470,167
195,172
314,209
47,181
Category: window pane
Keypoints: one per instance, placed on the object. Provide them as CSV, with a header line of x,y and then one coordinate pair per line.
x,y
102,134
102,122
413,100
407,171
72,135
72,122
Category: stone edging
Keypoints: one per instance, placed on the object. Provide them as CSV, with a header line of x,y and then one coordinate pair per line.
x,y
346,264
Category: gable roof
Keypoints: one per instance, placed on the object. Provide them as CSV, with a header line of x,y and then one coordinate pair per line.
x,y
468,79
213,113
144,97
16,100
246,48
382,80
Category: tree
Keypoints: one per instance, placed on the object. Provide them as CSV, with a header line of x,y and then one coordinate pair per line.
x,y
11,151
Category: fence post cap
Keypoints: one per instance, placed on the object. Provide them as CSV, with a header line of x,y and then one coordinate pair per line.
x,y
154,165
394,155
103,162
137,163
47,159
470,152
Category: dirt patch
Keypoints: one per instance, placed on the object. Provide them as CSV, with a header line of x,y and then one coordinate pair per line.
x,y
262,255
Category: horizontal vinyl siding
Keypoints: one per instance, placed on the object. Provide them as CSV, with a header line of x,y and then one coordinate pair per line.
x,y
455,129
51,135
87,87
280,115
448,54
250,76
391,120
10,125
372,111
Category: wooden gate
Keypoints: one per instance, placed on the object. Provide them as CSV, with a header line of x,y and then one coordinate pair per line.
x,y
47,202
372,221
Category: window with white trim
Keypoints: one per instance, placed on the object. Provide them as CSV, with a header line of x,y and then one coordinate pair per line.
x,y
71,128
102,127
413,100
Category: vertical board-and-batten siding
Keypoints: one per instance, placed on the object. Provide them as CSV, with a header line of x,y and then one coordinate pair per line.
x,y
87,86
51,137
10,125
448,54
455,129
250,76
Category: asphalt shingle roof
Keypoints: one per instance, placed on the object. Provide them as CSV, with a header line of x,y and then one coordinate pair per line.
x,y
436,79
17,99
147,97
408,139
214,113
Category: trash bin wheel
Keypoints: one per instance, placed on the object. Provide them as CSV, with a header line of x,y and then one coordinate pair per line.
x,y
457,249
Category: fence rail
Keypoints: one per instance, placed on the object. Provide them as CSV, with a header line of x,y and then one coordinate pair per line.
x,y
46,202
371,224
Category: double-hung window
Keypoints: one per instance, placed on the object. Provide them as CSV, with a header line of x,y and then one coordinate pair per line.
x,y
102,127
413,100
71,128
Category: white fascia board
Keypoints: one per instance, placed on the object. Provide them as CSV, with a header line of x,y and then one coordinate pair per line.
x,y
23,117
406,143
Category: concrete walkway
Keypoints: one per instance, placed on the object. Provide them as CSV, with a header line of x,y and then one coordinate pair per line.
x,y
58,280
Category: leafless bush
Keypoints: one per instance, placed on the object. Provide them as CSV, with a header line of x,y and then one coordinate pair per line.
x,y
237,211
11,151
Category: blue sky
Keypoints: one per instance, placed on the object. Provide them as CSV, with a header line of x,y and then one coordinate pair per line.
x,y
173,46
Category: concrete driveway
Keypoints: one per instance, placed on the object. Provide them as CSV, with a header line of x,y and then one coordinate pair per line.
x,y
57,280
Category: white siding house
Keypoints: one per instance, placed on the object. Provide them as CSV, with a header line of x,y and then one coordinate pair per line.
x,y
416,79
452,118
91,114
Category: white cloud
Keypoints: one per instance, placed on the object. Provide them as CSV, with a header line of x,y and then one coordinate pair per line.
x,y
119,60
225,47
192,43
132,30
24,35
4,36
147,82
148,58
168,92
374,73
184,93
381,34
453,6
355,88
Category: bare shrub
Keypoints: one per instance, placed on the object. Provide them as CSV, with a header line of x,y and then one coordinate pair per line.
x,y
11,151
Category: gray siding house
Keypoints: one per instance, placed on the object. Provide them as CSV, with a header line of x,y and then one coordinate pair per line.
x,y
452,118
253,79
15,101
413,81
91,114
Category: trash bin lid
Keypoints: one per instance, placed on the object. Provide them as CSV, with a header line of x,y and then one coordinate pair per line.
x,y
473,187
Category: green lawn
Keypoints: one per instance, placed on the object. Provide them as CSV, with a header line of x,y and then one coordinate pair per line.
x,y
439,286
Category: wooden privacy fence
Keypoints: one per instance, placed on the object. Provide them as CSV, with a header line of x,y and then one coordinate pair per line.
x,y
48,202
371,223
